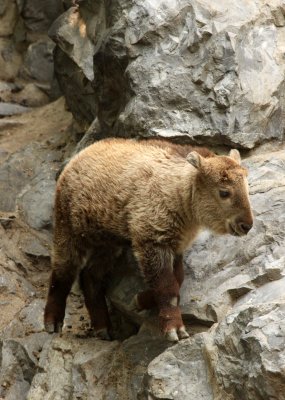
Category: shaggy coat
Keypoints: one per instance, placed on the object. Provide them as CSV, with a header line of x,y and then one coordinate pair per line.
x,y
152,194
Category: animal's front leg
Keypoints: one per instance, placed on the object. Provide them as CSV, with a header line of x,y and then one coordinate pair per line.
x,y
146,299
157,265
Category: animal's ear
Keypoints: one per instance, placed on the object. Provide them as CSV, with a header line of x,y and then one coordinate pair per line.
x,y
235,155
194,159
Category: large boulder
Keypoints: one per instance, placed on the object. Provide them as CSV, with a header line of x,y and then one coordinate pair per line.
x,y
193,69
8,17
38,15
26,51
247,349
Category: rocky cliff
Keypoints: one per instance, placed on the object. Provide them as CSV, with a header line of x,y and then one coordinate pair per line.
x,y
194,71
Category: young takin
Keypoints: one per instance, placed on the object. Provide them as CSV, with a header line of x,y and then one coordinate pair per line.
x,y
152,194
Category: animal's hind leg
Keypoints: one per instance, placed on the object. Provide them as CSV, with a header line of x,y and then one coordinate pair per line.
x,y
95,301
93,287
178,269
61,280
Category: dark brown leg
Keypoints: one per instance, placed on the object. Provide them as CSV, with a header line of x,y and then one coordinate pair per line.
x,y
61,281
146,299
157,265
179,270
94,295
92,283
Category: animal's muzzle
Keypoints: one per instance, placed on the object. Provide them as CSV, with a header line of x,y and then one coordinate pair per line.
x,y
244,228
244,225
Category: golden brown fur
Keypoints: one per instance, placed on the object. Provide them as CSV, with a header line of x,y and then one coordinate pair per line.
x,y
152,194
180,149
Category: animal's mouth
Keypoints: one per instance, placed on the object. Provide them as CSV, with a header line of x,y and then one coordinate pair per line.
x,y
234,232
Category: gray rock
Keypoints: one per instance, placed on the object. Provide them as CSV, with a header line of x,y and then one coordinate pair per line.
x,y
38,15
189,69
91,368
12,109
239,358
247,350
8,17
38,62
36,202
179,373
21,168
65,361
6,87
10,60
17,371
97,43
71,80
29,96
3,6
76,70
29,322
69,31
32,246
13,282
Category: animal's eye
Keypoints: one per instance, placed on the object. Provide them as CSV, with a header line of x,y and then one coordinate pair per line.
x,y
224,194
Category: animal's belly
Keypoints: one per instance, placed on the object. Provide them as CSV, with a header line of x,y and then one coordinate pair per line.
x,y
102,237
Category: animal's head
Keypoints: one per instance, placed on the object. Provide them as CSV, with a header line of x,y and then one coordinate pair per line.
x,y
221,192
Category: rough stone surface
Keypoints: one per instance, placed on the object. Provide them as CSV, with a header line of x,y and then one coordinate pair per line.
x,y
29,95
32,168
179,373
38,62
11,109
191,69
25,48
36,200
90,368
38,15
246,350
10,60
8,17
16,367
81,100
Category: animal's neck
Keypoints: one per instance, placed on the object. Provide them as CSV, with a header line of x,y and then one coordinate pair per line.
x,y
188,199
191,224
199,208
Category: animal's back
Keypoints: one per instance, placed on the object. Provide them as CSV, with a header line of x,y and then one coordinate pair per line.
x,y
98,185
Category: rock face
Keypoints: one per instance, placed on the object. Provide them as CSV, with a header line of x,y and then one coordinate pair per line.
x,y
26,51
191,70
248,346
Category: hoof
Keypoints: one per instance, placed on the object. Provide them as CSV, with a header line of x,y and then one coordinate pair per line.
x,y
52,327
171,324
102,334
182,333
172,335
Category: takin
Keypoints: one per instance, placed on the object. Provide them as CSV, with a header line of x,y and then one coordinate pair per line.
x,y
152,194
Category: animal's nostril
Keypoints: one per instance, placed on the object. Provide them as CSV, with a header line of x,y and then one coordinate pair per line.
x,y
245,228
